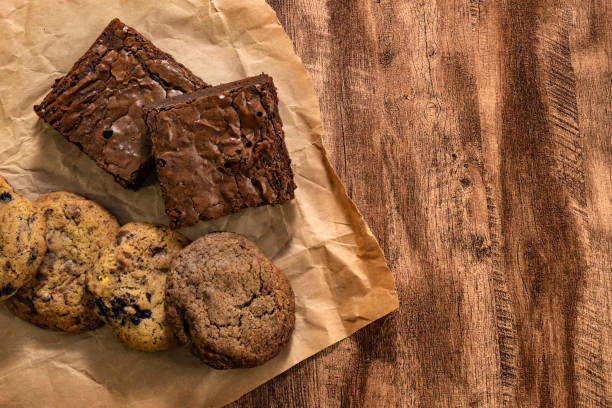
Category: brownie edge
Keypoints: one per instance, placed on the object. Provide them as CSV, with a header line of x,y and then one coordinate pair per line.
x,y
220,150
97,105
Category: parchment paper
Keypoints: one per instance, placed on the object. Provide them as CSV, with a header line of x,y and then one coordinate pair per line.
x,y
320,240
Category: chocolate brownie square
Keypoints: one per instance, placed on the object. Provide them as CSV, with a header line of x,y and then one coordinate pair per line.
x,y
98,104
220,150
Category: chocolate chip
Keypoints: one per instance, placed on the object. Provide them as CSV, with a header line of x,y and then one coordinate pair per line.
x,y
102,307
73,83
72,211
227,165
249,144
28,302
259,114
5,197
42,275
139,314
158,251
148,295
7,290
107,134
120,236
33,256
145,313
117,306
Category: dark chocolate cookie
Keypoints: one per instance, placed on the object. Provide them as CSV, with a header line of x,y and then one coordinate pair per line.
x,y
228,302
77,230
22,240
129,284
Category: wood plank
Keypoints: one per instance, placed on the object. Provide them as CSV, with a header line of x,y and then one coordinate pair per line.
x,y
474,137
546,212
590,41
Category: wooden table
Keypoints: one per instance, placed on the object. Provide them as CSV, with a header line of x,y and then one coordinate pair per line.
x,y
475,137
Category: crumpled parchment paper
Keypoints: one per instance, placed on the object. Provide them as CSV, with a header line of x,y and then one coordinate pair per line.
x,y
320,240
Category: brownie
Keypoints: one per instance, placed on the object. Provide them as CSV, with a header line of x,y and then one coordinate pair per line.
x,y
219,150
98,104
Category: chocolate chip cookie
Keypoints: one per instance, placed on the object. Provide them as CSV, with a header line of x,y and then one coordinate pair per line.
x,y
22,240
77,231
228,302
129,285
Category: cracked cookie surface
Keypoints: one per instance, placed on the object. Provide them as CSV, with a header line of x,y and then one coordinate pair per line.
x,y
77,230
129,285
22,240
230,304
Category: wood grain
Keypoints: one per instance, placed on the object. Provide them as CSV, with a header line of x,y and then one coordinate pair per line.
x,y
475,138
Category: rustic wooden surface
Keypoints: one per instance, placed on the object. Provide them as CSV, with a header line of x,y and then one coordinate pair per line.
x,y
475,137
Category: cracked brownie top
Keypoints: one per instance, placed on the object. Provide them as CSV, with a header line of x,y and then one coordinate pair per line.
x,y
98,104
219,150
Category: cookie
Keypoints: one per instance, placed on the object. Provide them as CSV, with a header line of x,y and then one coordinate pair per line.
x,y
22,240
129,285
77,231
228,303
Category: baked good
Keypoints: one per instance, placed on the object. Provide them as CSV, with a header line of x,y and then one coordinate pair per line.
x,y
98,104
228,302
22,240
219,150
129,284
77,230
